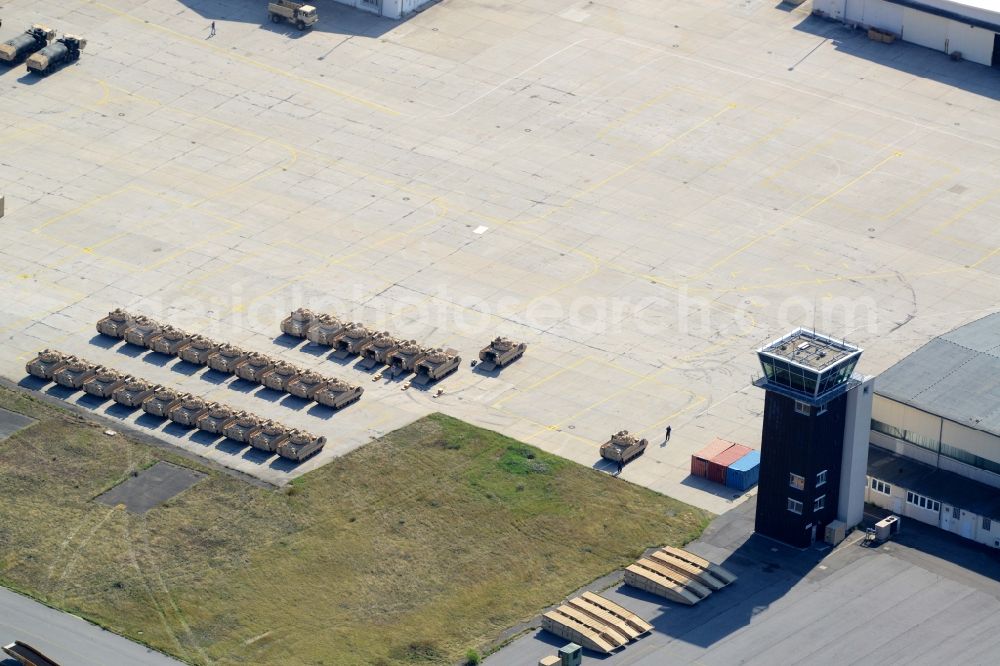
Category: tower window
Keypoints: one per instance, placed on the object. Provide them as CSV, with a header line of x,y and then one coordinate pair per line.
x,y
819,503
795,506
821,478
802,408
881,487
796,481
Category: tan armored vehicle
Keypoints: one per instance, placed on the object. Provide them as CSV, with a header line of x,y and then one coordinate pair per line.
x,y
74,374
436,364
324,330
253,368
188,411
269,436
306,385
351,340
300,445
133,392
47,363
337,393
280,375
162,401
170,341
499,353
142,331
242,427
376,351
198,350
405,357
216,419
104,382
226,358
301,15
115,324
297,323
623,447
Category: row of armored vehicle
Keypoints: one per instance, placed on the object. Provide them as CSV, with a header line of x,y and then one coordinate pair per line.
x,y
251,366
43,52
182,408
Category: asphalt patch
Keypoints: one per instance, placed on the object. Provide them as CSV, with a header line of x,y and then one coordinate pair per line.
x,y
151,487
11,422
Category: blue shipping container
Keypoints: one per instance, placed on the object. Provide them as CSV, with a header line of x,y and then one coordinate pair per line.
x,y
745,472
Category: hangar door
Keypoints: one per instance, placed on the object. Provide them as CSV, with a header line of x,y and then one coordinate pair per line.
x,y
883,15
925,29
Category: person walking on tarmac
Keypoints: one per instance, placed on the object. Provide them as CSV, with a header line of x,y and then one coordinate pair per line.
x,y
668,435
212,31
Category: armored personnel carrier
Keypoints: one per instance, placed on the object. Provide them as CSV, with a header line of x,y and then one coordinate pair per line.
x,y
297,323
500,352
226,358
170,341
306,385
115,324
134,392
47,364
162,401
376,351
324,330
280,375
216,418
436,364
405,357
141,331
300,445
269,436
337,393
351,340
188,411
242,427
198,349
253,368
104,382
74,373
623,447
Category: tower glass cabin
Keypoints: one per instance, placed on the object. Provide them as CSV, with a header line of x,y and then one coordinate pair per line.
x,y
810,432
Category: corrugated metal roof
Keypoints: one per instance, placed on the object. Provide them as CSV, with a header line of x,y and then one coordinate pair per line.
x,y
956,376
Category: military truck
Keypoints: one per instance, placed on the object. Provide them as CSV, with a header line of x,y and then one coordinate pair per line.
x,y
170,341
305,385
500,352
55,55
376,351
198,350
134,392
278,377
74,373
141,330
115,324
436,364
352,339
254,366
269,436
216,419
226,358
188,411
105,382
405,357
301,15
297,323
47,363
300,445
162,401
337,393
33,39
324,330
623,447
242,427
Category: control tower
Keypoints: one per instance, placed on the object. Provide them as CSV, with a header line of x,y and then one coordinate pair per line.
x,y
814,441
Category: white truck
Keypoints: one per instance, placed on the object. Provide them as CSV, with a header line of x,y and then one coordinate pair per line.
x,y
302,15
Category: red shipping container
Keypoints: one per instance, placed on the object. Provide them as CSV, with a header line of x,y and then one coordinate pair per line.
x,y
718,465
699,460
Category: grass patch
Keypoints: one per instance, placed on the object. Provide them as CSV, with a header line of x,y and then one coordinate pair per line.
x,y
409,550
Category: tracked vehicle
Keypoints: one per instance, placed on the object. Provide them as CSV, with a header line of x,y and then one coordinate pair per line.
x,y
436,364
280,375
500,352
351,340
269,436
74,374
198,350
162,401
337,393
623,447
47,363
300,445
306,385
134,392
216,419
170,341
142,331
376,351
226,358
115,324
242,427
30,41
297,323
188,411
105,382
324,330
405,357
254,367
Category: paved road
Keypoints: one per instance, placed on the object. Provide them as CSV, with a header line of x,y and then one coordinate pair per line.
x,y
68,639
